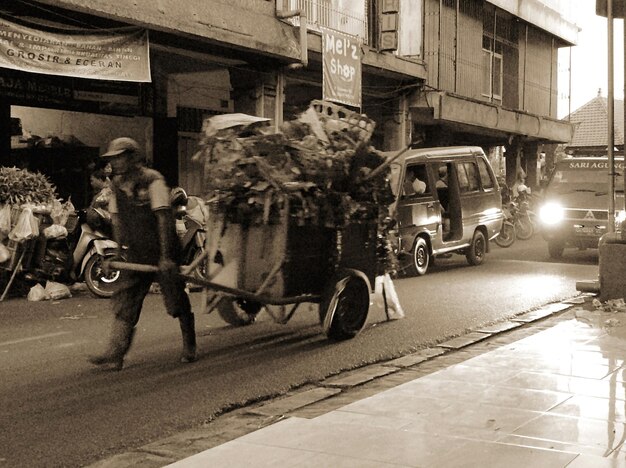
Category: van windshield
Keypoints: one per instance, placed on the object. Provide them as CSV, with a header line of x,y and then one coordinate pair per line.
x,y
567,180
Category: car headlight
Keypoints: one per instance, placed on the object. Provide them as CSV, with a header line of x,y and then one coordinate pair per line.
x,y
620,217
551,213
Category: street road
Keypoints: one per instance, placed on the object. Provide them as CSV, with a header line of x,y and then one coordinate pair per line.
x,y
56,410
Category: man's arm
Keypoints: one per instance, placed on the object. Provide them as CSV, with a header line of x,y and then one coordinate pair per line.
x,y
160,204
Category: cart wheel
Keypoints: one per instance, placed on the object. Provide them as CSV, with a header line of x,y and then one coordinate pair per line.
x,y
238,312
344,305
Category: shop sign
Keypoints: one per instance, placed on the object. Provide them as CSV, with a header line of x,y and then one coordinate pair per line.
x,y
389,21
341,67
120,55
35,90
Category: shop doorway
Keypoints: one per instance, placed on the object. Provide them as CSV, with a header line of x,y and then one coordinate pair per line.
x,y
64,145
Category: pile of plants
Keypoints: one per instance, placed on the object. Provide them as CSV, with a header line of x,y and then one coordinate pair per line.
x,y
318,163
20,186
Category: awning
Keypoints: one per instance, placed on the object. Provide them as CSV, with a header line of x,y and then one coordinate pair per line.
x,y
471,116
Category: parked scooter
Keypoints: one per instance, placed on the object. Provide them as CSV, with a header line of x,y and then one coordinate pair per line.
x,y
190,225
77,256
507,236
524,224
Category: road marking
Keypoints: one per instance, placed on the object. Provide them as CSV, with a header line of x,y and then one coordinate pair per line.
x,y
33,338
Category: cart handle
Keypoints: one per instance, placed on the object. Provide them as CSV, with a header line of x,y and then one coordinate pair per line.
x,y
239,293
380,168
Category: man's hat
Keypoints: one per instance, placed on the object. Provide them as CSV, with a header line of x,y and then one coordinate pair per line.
x,y
121,145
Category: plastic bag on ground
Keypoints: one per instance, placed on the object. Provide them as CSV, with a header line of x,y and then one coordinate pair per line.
x,y
36,293
55,291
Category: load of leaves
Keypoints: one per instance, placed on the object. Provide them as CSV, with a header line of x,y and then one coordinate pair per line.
x,y
317,162
19,186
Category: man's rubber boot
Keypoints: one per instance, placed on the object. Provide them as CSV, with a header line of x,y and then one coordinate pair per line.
x,y
188,330
121,338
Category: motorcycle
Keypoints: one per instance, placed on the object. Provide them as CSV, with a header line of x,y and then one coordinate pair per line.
x,y
524,225
507,234
79,255
190,230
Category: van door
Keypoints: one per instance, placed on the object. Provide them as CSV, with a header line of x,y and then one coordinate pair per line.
x,y
449,197
480,201
417,210
471,196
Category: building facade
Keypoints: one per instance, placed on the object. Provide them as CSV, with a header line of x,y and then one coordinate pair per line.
x,y
434,72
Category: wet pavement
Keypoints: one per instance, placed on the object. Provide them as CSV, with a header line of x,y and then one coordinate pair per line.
x,y
547,388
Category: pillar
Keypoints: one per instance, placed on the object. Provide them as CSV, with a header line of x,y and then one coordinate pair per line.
x,y
397,126
531,157
5,131
513,152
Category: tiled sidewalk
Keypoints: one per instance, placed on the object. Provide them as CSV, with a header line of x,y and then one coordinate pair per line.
x,y
555,398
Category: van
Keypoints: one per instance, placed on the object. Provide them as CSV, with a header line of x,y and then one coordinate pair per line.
x,y
447,200
574,211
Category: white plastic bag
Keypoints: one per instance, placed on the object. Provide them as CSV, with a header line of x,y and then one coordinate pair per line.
x,y
55,231
36,293
5,253
27,226
384,288
5,221
68,209
55,291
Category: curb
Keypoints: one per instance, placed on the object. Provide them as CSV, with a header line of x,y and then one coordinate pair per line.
x,y
315,399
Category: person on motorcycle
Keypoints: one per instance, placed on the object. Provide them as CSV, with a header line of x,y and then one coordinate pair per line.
x,y
144,223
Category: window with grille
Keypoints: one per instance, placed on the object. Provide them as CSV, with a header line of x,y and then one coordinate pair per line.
x,y
499,39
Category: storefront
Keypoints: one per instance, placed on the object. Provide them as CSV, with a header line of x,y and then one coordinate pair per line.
x,y
67,120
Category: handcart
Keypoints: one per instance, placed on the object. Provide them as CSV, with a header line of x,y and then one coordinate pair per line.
x,y
283,263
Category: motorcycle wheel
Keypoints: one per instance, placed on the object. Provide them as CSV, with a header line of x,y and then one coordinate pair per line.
x,y
506,237
98,283
202,270
524,229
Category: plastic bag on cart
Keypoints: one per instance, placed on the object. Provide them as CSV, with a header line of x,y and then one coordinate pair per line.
x,y
27,226
5,221
5,253
55,231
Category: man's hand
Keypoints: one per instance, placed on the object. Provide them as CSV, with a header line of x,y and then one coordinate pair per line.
x,y
168,267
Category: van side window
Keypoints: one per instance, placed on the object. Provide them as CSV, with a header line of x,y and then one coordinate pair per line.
x,y
469,180
485,174
416,181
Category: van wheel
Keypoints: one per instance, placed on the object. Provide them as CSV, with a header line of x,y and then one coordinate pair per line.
x,y
420,258
476,251
555,249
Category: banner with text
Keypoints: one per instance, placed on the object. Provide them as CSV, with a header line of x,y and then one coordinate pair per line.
x,y
120,55
341,67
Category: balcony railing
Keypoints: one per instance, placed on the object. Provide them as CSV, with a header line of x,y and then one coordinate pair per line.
x,y
324,13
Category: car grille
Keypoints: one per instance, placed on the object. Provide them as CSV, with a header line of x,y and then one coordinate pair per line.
x,y
599,215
